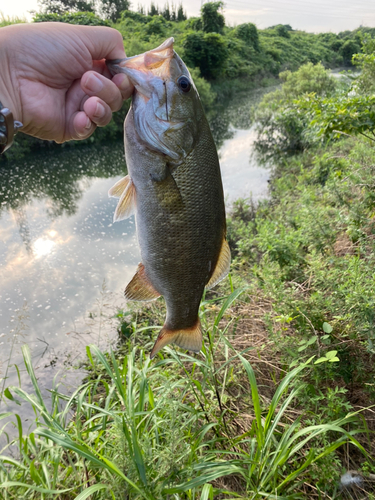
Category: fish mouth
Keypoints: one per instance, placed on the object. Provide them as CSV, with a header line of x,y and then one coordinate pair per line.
x,y
142,68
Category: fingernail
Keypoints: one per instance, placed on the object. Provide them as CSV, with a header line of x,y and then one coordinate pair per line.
x,y
94,84
99,111
88,124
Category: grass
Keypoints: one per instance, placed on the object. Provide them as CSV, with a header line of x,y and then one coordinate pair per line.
x,y
7,20
181,427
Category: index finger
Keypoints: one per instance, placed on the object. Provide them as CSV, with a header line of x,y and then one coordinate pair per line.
x,y
104,42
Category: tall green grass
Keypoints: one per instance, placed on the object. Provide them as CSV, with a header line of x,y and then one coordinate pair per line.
x,y
7,20
167,429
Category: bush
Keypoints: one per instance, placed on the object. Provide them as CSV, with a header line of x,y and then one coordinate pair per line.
x,y
207,51
84,18
281,123
248,33
212,20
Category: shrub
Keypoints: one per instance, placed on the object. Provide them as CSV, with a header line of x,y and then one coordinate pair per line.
x,y
84,18
212,20
248,33
207,51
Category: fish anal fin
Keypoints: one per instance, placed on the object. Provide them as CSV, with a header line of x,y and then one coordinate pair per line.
x,y
187,338
222,265
126,205
140,287
120,186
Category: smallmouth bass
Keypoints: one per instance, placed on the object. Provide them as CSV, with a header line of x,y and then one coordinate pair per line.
x,y
174,188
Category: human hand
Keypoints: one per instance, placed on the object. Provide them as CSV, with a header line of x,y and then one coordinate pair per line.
x,y
54,79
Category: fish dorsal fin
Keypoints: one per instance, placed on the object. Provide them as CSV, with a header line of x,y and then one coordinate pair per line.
x,y
126,205
222,266
187,338
140,287
120,186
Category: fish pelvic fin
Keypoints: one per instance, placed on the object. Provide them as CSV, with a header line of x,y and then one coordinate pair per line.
x,y
187,338
140,287
222,265
120,186
125,190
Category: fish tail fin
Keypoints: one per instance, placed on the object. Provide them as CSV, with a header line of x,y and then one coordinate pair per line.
x,y
187,338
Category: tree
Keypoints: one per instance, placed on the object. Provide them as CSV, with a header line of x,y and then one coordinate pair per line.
x,y
82,18
64,6
166,13
348,49
208,51
109,9
248,33
154,11
213,21
181,15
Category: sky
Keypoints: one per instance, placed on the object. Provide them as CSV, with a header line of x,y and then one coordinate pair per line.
x,y
308,15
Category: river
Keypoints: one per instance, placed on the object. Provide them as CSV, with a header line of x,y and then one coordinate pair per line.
x,y
64,264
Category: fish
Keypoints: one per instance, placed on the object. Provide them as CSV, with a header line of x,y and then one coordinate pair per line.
x,y
175,190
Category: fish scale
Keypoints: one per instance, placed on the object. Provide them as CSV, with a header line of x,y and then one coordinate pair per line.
x,y
174,187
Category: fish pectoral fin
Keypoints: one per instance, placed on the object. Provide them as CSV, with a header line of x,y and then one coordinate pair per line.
x,y
222,265
140,287
120,186
187,338
126,205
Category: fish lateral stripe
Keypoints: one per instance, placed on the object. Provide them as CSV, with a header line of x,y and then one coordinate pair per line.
x,y
187,338
140,287
222,266
127,204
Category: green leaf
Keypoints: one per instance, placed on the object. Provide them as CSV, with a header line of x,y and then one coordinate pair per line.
x,y
302,348
92,489
8,394
327,327
331,354
320,360
10,484
207,492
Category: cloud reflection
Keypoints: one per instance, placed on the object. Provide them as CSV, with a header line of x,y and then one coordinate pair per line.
x,y
42,247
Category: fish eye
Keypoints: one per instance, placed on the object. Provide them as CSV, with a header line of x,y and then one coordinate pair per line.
x,y
184,83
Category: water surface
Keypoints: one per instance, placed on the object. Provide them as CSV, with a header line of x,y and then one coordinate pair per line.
x,y
64,264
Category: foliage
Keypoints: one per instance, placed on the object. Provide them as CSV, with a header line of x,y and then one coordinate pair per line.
x,y
311,250
157,26
281,123
64,6
347,50
342,113
83,18
115,435
153,11
8,20
207,51
248,33
171,14
365,83
347,111
109,9
212,20
236,58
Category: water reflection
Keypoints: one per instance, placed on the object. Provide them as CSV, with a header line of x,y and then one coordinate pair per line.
x,y
58,244
234,135
57,247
